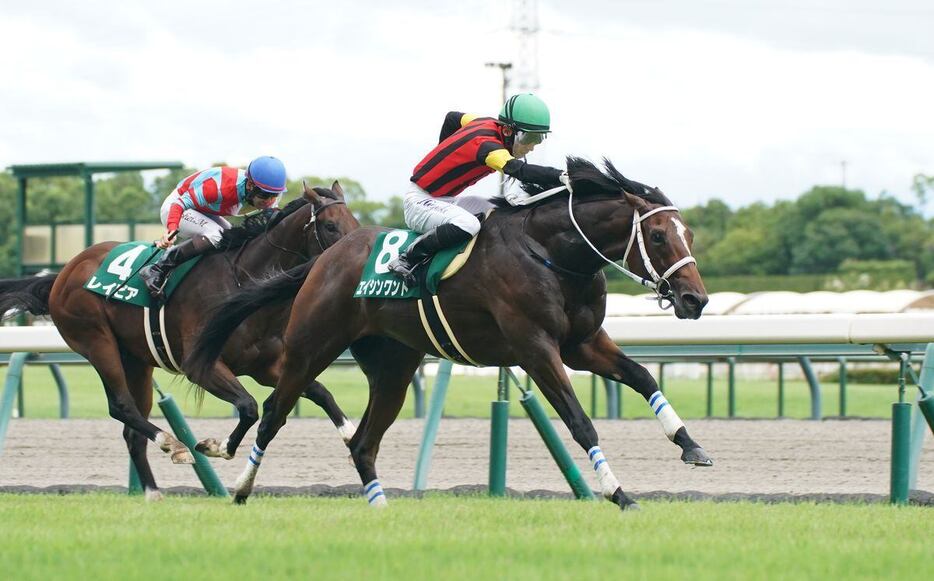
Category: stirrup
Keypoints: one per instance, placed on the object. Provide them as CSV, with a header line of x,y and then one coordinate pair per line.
x,y
156,291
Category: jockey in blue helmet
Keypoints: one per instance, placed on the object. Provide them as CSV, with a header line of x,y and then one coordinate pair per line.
x,y
195,210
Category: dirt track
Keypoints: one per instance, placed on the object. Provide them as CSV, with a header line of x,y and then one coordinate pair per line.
x,y
751,456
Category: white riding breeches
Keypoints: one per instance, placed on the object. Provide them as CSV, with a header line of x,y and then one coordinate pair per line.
x,y
194,222
423,212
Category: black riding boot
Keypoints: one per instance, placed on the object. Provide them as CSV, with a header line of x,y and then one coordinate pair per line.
x,y
423,248
154,275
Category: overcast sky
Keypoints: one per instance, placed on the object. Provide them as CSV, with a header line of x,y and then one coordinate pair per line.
x,y
739,99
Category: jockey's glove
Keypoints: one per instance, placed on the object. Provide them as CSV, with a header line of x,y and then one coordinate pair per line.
x,y
516,196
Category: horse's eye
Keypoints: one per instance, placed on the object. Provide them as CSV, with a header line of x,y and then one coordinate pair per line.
x,y
330,226
658,238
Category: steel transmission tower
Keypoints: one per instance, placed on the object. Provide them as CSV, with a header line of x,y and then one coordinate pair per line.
x,y
524,25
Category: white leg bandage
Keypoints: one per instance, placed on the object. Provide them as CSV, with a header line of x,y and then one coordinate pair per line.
x,y
244,483
608,482
346,430
666,414
374,494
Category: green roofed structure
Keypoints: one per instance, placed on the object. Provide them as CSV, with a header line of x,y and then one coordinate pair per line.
x,y
85,170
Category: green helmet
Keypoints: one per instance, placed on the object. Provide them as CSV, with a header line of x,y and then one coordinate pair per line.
x,y
526,112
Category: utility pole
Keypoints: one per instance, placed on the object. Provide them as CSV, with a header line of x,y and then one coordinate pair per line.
x,y
503,68
524,25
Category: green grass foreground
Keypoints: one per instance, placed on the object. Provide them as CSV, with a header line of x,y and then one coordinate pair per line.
x,y
470,396
104,536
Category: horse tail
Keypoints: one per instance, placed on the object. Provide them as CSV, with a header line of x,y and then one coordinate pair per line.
x,y
233,311
29,294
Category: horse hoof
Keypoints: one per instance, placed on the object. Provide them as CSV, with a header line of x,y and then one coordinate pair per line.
x,y
240,498
153,496
182,456
631,507
212,448
209,447
697,457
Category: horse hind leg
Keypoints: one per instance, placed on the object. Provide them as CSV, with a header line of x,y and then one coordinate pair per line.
x,y
322,397
107,361
389,367
139,378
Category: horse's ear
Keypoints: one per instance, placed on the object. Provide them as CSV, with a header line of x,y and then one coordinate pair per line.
x,y
636,202
311,195
337,189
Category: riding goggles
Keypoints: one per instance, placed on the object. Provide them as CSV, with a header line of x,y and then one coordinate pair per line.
x,y
529,137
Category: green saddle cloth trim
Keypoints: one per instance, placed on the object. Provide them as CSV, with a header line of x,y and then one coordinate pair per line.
x,y
378,282
122,263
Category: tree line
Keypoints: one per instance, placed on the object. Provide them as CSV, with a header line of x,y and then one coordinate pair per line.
x,y
827,229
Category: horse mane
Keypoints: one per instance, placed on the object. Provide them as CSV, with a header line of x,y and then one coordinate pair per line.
x,y
258,223
588,180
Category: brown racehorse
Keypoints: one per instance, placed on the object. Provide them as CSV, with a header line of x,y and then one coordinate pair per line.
x,y
110,335
532,294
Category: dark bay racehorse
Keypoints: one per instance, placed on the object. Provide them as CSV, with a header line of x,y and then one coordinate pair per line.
x,y
532,294
110,333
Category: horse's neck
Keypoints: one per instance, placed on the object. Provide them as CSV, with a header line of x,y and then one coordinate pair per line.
x,y
608,228
260,255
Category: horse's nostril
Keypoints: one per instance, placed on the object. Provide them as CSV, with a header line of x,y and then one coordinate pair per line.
x,y
693,301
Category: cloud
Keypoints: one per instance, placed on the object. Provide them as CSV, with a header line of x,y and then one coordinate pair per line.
x,y
703,99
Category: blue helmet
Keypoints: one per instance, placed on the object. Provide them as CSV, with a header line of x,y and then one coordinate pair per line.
x,y
268,173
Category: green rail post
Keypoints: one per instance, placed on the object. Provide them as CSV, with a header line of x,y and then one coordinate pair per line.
x,y
134,486
618,387
813,386
901,441
499,435
781,390
612,399
435,409
63,402
926,384
14,377
924,416
731,397
709,389
842,361
203,468
546,430
20,400
661,377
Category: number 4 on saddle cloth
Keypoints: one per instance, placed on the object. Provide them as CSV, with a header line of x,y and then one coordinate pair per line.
x,y
117,277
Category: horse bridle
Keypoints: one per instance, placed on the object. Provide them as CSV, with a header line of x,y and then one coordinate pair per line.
x,y
659,283
312,219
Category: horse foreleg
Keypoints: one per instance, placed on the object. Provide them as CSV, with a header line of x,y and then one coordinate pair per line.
x,y
542,362
603,357
224,385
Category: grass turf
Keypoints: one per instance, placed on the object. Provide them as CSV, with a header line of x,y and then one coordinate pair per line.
x,y
470,396
103,536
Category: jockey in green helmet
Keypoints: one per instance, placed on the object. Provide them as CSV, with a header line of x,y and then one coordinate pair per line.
x,y
469,149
